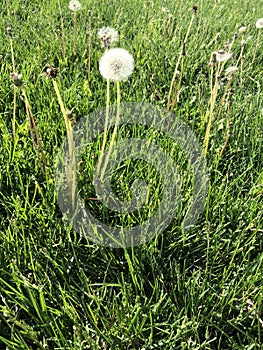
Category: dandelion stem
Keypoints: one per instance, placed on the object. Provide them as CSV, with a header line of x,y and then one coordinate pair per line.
x,y
178,62
228,129
175,98
62,29
89,44
210,109
7,7
72,163
105,128
32,126
14,114
241,60
74,33
256,47
12,54
114,130
223,98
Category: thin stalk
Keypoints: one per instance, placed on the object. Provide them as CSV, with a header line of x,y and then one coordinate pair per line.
x,y
256,47
174,101
62,29
178,62
33,129
72,163
223,98
212,105
228,130
89,45
74,33
14,101
241,60
114,131
12,54
210,110
14,115
7,7
104,140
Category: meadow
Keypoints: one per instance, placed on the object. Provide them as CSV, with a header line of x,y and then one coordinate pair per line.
x,y
199,288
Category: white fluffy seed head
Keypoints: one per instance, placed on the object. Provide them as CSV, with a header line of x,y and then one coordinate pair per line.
x,y
222,56
74,5
259,23
107,36
242,30
116,64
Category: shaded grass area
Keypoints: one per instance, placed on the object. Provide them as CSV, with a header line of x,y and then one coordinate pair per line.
x,y
199,289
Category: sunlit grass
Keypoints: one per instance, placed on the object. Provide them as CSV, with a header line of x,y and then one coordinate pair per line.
x,y
199,289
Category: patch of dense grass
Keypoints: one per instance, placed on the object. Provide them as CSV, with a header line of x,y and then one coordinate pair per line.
x,y
198,289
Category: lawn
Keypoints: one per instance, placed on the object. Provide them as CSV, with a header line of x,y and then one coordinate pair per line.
x,y
192,108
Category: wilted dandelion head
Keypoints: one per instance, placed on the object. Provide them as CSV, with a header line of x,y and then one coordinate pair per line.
x,y
116,64
51,72
230,71
74,5
107,36
9,32
17,79
222,56
259,23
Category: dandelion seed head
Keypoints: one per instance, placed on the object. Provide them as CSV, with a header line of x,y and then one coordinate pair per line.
x,y
74,5
107,36
116,64
242,30
222,56
259,23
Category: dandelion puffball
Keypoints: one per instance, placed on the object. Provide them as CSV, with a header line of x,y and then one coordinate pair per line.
x,y
107,36
222,56
74,5
116,64
259,23
242,30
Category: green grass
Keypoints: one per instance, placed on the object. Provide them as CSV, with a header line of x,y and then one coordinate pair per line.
x,y
199,289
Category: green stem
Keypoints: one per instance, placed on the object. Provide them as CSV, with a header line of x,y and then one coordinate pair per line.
x,y
34,131
74,33
178,63
89,45
14,115
256,47
212,105
12,54
62,29
72,167
114,131
105,129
